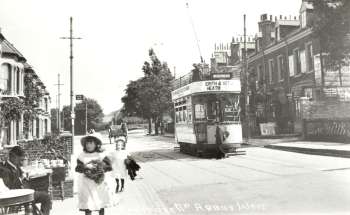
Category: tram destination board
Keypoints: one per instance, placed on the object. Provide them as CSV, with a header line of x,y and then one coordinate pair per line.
x,y
207,86
216,76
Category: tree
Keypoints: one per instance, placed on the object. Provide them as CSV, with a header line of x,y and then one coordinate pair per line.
x,y
54,128
150,96
131,100
33,94
94,115
331,24
12,108
65,116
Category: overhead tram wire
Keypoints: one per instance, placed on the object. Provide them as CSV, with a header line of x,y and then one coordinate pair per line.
x,y
194,31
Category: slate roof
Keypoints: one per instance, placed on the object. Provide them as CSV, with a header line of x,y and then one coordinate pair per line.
x,y
9,48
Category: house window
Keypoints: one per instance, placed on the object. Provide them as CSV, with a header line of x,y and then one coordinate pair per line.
x,y
271,71
17,130
5,77
33,128
5,134
260,73
297,109
309,58
18,80
297,62
281,66
46,104
37,127
45,126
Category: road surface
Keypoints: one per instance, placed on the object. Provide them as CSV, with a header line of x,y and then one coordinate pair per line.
x,y
264,181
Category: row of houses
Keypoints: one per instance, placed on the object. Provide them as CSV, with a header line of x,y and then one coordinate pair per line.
x,y
16,75
289,86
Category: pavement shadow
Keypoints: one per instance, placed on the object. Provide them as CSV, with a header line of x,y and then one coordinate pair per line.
x,y
162,155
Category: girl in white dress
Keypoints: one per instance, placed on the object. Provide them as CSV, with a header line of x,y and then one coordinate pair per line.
x,y
119,171
92,163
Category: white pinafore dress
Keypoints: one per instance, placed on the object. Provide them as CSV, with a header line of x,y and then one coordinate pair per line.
x,y
118,166
91,195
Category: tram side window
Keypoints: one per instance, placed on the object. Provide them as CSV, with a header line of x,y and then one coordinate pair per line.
x,y
184,112
199,111
176,115
231,109
214,111
189,114
180,114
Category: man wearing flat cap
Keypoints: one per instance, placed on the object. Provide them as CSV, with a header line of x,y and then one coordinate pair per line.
x,y
12,175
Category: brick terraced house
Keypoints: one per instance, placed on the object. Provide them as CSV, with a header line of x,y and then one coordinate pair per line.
x,y
288,86
13,70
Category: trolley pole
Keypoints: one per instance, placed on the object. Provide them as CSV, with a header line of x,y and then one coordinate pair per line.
x,y
71,38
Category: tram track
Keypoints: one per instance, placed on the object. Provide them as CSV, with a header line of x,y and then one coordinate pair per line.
x,y
189,163
159,170
222,162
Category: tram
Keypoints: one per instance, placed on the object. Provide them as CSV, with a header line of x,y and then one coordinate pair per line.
x,y
207,112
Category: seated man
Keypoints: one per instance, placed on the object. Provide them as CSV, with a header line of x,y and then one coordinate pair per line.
x,y
12,175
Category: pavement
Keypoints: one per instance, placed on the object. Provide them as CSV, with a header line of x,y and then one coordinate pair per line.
x,y
296,144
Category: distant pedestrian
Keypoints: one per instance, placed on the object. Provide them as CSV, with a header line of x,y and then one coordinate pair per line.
x,y
92,163
124,130
110,134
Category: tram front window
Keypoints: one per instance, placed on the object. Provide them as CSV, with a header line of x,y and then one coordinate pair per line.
x,y
223,108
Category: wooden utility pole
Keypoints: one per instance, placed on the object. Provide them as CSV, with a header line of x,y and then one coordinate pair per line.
x,y
71,38
58,103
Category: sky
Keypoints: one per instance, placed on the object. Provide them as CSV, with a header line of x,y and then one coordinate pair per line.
x,y
116,36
